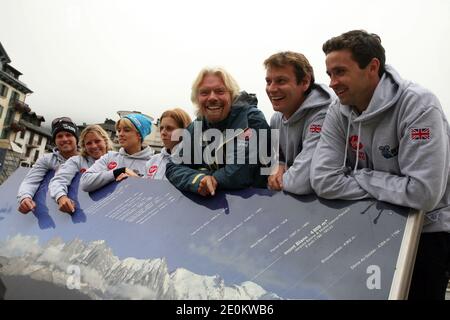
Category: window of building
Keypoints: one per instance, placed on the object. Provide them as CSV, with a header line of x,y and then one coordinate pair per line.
x,y
22,134
1,110
31,138
14,97
9,117
40,140
3,90
27,154
36,155
5,133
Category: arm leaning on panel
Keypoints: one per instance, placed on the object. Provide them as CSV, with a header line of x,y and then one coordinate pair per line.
x,y
297,178
33,179
98,175
329,177
424,164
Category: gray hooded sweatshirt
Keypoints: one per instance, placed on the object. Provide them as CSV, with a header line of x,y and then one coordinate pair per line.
x,y
398,150
102,171
155,168
299,136
29,185
59,184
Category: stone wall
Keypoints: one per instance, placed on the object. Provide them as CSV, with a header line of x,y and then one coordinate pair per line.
x,y
9,161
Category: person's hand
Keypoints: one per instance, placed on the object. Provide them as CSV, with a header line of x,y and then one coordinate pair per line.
x,y
27,205
66,204
126,174
207,186
275,180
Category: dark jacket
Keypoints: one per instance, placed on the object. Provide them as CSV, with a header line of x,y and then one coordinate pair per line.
x,y
243,115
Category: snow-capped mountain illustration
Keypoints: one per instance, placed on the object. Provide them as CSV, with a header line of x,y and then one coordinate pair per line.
x,y
102,275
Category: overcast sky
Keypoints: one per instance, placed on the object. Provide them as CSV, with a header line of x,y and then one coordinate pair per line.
x,y
87,59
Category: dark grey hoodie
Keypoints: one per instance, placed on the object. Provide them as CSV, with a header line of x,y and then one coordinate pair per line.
x,y
299,136
398,150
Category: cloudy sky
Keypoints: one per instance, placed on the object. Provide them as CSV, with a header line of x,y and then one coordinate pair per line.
x,y
87,59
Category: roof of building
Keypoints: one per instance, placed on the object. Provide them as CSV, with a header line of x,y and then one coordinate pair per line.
x,y
16,72
40,130
15,83
3,55
9,79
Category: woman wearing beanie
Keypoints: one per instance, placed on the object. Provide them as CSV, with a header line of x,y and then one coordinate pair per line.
x,y
129,161
65,137
170,120
94,143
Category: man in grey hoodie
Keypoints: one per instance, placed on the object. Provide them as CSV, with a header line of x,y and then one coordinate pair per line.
x,y
387,139
301,106
65,136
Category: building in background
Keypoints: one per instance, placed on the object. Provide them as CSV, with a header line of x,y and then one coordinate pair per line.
x,y
22,139
12,98
109,126
34,140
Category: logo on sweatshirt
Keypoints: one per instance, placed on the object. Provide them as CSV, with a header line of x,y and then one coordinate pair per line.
x,y
353,140
315,128
83,170
152,170
419,133
387,152
354,143
112,165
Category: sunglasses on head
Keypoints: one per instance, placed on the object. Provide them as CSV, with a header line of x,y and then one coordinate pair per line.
x,y
61,119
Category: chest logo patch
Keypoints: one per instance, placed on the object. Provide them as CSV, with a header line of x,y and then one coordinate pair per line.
x,y
112,165
354,143
152,170
315,128
387,152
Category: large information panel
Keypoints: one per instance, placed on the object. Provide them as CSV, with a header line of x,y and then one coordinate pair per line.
x,y
144,239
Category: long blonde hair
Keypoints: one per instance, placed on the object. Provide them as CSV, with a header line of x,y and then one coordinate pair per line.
x,y
96,129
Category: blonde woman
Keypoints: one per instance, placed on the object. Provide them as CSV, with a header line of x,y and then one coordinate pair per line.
x,y
129,161
94,143
170,120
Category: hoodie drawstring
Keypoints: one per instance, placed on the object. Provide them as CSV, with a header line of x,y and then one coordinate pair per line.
x,y
287,149
346,142
357,148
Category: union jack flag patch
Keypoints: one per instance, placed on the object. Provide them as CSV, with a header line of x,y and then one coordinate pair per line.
x,y
419,133
315,128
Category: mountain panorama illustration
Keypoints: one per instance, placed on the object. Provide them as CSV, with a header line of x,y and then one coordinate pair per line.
x,y
104,276
141,239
